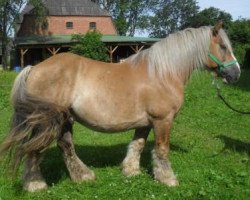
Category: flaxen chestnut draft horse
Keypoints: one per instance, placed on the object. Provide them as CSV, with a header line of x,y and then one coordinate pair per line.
x,y
144,92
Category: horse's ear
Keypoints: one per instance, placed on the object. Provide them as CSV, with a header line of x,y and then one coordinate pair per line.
x,y
216,28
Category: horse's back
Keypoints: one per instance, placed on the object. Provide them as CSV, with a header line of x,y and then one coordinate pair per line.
x,y
64,76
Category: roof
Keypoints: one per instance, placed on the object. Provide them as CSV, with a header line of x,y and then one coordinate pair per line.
x,y
67,39
70,8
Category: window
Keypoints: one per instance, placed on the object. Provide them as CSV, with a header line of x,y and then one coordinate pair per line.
x,y
92,25
69,25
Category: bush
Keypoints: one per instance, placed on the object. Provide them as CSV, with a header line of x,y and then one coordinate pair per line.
x,y
241,52
90,46
246,63
239,33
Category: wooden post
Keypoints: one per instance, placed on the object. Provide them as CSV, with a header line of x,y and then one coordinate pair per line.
x,y
136,49
111,50
23,52
53,51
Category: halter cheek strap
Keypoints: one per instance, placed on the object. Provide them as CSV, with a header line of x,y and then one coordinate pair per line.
x,y
220,64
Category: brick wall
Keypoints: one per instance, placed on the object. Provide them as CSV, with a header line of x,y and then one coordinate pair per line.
x,y
57,25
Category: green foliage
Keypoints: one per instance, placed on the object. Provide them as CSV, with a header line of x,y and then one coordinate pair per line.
x,y
159,18
209,16
170,16
9,11
128,15
121,24
239,33
6,81
40,13
9,16
90,46
240,53
210,149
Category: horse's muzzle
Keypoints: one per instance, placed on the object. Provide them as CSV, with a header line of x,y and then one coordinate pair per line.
x,y
231,74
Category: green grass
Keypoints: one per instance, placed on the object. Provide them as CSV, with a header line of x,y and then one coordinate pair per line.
x,y
210,148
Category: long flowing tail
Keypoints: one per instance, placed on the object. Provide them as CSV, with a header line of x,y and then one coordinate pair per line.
x,y
35,122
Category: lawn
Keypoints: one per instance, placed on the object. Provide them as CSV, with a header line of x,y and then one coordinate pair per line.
x,y
210,148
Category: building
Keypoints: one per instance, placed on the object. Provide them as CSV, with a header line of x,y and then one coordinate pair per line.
x,y
66,17
36,42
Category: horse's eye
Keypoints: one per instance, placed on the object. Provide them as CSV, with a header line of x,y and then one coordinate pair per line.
x,y
223,47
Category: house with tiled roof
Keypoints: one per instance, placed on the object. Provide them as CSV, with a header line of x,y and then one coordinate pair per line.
x,y
64,18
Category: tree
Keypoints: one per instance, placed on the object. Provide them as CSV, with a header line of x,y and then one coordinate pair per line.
x,y
170,16
209,16
40,12
90,46
128,15
239,33
9,13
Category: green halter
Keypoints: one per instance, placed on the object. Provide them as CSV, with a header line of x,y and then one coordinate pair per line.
x,y
220,64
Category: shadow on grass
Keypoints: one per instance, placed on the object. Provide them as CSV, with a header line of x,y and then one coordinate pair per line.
x,y
234,144
53,167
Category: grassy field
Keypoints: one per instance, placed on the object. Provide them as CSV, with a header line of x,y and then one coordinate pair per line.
x,y
210,148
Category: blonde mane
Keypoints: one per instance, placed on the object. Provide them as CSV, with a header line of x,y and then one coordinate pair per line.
x,y
179,53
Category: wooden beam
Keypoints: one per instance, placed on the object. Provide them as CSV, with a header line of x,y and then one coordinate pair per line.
x,y
136,49
111,50
140,48
53,51
23,52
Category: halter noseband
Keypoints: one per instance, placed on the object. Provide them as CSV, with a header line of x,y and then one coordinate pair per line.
x,y
220,64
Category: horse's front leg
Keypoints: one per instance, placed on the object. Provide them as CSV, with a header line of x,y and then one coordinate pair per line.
x,y
131,163
162,167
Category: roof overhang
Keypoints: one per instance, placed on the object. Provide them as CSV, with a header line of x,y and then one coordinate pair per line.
x,y
66,40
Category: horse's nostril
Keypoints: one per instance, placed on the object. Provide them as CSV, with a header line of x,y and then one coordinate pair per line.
x,y
229,79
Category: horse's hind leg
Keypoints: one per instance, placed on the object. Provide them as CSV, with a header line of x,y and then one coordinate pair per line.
x,y
131,163
32,178
78,171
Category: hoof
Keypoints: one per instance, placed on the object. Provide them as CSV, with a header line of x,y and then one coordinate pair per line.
x,y
130,168
90,176
129,172
169,181
166,177
35,186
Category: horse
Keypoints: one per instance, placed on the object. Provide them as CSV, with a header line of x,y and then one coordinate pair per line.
x,y
144,92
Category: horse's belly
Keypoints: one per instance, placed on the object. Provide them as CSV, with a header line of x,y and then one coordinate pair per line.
x,y
115,126
113,119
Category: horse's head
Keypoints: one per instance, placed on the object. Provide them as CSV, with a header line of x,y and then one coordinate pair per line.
x,y
221,57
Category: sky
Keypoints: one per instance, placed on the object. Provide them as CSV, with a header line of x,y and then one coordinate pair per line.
x,y
237,8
